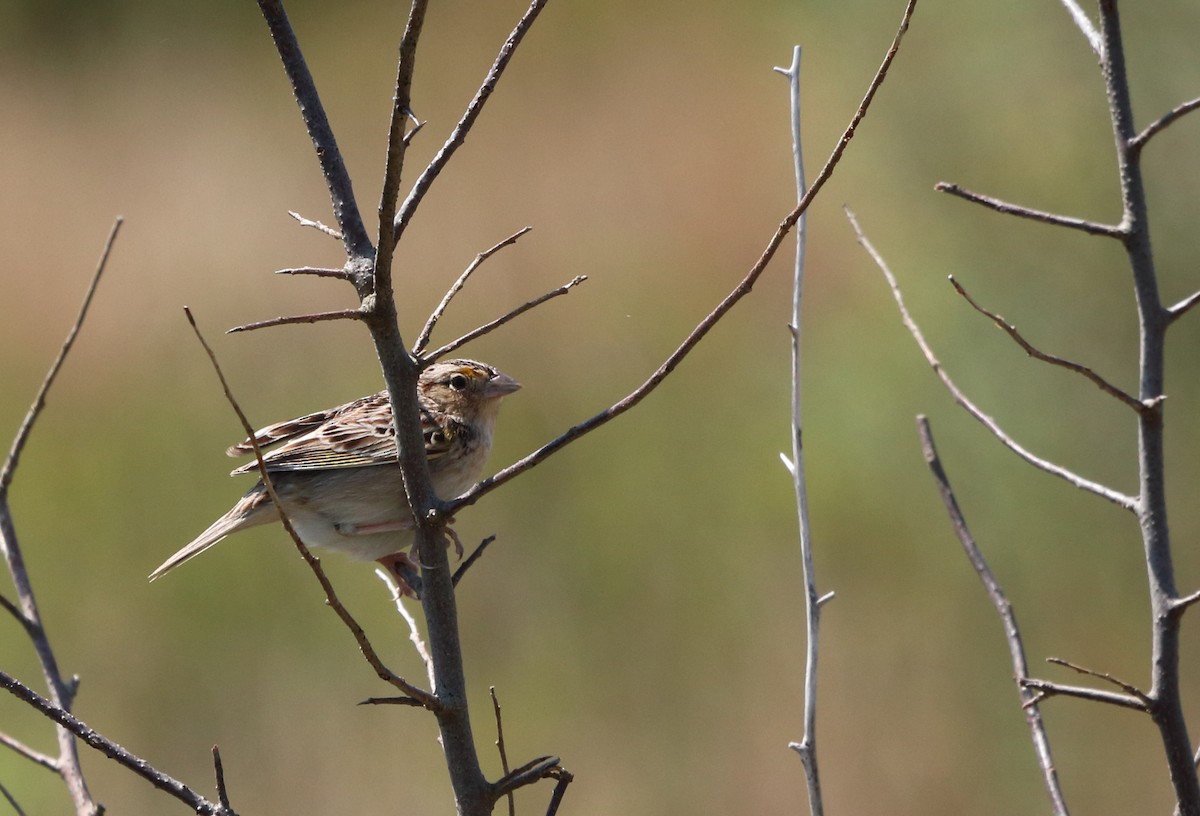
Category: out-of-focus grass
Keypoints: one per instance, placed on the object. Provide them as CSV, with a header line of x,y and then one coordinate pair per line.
x,y
640,610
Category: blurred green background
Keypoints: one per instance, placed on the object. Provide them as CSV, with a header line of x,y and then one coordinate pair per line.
x,y
640,613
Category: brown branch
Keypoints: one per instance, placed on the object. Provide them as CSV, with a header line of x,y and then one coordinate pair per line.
x,y
712,318
364,644
436,315
11,801
400,701
500,321
1008,617
459,134
1138,142
316,317
1119,499
1103,384
1090,227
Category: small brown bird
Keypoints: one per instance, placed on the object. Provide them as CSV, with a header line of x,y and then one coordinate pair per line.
x,y
336,471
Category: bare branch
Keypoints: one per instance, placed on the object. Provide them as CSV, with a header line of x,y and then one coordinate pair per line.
x,y
712,318
1045,688
1181,605
110,749
1085,25
1183,307
1090,227
1128,688
564,778
1012,634
1138,142
527,774
62,691
436,315
317,225
471,559
316,317
807,747
11,801
400,701
333,167
1119,499
414,634
368,651
316,271
1103,384
39,401
219,771
45,760
474,108
512,802
500,321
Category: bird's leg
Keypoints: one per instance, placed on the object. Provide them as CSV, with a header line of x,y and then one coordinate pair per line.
x,y
404,571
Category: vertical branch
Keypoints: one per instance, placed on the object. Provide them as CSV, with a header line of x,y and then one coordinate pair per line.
x,y
807,747
61,691
1166,706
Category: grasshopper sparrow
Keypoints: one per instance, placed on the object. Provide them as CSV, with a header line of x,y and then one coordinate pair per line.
x,y
336,471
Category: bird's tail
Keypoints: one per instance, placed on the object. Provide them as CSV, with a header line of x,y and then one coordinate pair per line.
x,y
253,509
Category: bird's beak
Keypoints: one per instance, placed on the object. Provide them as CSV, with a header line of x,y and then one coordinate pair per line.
x,y
500,385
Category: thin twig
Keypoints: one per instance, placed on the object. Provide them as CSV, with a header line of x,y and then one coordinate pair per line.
x,y
1090,227
807,747
459,134
317,225
1128,688
742,289
1012,635
11,801
512,802
219,771
360,637
316,271
1119,499
1046,688
564,778
527,774
471,559
436,315
1138,142
110,749
1183,307
62,692
1085,25
12,609
1182,604
316,317
39,401
1103,384
400,701
333,167
500,321
414,634
32,754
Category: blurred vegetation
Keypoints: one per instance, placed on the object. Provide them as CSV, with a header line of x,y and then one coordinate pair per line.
x,y
640,613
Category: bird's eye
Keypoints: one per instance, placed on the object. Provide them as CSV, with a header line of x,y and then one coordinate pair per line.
x,y
459,382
